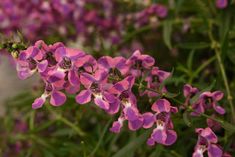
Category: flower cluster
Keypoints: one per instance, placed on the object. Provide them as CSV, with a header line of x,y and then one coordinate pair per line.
x,y
75,17
81,20
107,82
148,15
202,101
207,141
110,83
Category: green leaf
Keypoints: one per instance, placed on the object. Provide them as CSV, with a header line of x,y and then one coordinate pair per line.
x,y
194,45
190,59
64,132
133,145
167,31
158,151
171,95
186,119
229,127
47,153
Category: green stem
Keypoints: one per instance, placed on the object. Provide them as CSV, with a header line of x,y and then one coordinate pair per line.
x,y
229,97
67,122
101,138
216,47
205,64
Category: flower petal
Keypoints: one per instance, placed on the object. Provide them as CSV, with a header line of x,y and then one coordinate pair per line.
x,y
161,105
135,124
208,134
42,66
83,97
38,103
57,98
159,135
214,151
101,103
73,78
151,142
219,109
149,120
218,95
198,109
113,107
171,137
131,113
116,127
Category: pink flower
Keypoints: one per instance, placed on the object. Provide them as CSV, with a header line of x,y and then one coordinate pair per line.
x,y
138,63
207,141
208,100
221,4
163,133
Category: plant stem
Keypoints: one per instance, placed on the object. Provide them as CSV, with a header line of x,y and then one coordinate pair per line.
x,y
229,96
216,47
101,138
67,122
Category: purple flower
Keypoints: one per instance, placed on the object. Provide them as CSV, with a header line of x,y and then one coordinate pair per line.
x,y
127,100
95,87
57,98
154,81
208,100
30,61
189,92
207,141
112,64
160,10
117,125
214,125
221,4
163,133
138,63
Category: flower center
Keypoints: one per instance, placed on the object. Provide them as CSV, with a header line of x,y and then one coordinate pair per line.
x,y
50,58
124,97
32,63
48,88
160,125
66,63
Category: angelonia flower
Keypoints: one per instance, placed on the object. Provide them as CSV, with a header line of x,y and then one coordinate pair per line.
x,y
79,20
107,82
163,133
221,4
207,142
204,100
150,15
115,85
